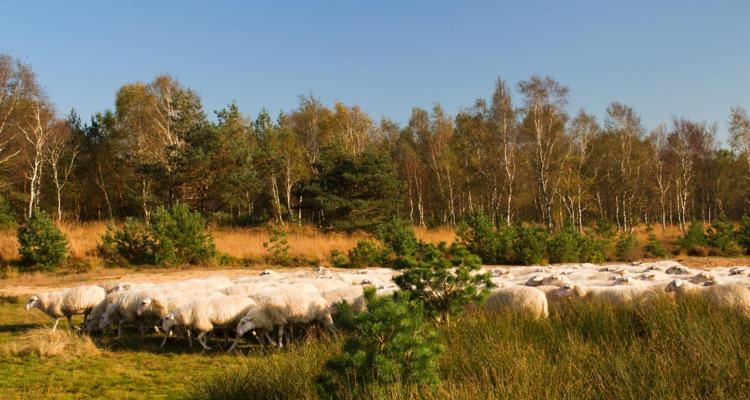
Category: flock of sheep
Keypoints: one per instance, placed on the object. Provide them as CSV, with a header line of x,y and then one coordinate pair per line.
x,y
268,303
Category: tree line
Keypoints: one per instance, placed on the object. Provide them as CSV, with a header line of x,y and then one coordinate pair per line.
x,y
517,156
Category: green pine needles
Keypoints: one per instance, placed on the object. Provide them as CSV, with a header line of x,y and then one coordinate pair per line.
x,y
43,247
390,343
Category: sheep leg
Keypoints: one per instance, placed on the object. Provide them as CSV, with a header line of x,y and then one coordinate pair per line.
x,y
268,336
234,343
55,325
119,330
281,335
166,335
202,340
70,321
190,339
328,323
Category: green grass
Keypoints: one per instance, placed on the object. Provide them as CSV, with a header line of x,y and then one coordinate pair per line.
x,y
662,350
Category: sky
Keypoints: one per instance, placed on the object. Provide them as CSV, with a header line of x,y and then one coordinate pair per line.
x,y
664,58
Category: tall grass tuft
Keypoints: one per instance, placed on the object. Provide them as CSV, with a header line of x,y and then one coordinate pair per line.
x,y
663,349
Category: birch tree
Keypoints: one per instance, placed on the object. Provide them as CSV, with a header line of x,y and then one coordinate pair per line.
x,y
544,122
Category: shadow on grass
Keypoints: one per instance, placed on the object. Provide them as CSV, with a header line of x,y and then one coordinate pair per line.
x,y
18,328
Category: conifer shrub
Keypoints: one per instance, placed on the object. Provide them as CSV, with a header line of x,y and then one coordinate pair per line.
x,y
172,236
626,248
723,240
653,247
443,278
398,236
565,245
368,254
278,246
694,241
530,246
389,343
338,259
43,247
743,234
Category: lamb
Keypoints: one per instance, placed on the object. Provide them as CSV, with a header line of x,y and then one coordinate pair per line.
x,y
731,296
523,298
617,295
292,307
67,302
204,315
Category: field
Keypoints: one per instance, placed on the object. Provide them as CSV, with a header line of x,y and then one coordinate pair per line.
x,y
687,349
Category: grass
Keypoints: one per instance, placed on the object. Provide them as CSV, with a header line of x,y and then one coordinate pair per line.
x,y
240,243
584,350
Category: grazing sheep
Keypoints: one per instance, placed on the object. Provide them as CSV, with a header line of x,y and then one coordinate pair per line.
x,y
677,270
731,296
205,315
617,295
522,298
67,302
738,271
91,322
351,295
551,280
701,277
292,307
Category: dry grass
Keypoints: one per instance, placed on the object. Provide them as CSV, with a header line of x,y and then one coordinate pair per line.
x,y
304,242
45,343
668,235
243,243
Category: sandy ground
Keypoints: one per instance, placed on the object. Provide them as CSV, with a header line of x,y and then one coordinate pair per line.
x,y
25,284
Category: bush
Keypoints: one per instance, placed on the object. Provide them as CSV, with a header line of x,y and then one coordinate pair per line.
x,y
565,246
493,246
367,254
43,247
338,260
398,236
172,236
7,216
278,246
653,247
444,279
743,234
694,241
531,245
721,238
390,343
626,248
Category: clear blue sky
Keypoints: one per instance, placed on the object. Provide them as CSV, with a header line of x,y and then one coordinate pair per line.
x,y
665,58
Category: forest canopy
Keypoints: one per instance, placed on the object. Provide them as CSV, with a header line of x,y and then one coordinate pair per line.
x,y
522,159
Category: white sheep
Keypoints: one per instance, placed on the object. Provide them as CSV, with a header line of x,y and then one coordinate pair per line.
x,y
617,295
522,298
551,280
731,296
702,277
67,302
292,307
205,315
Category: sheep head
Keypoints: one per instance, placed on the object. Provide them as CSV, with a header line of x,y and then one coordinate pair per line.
x,y
675,286
246,324
33,301
168,323
143,306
